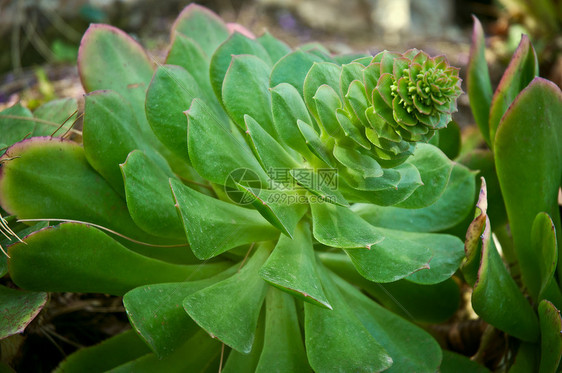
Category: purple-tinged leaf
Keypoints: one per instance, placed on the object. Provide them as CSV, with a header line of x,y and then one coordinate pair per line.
x,y
18,308
478,81
201,25
108,58
528,159
522,69
51,179
494,285
235,45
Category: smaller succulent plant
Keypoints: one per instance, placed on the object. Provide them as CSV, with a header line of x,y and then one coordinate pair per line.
x,y
513,244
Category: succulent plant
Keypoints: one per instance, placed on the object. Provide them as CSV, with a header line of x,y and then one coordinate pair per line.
x,y
246,191
515,278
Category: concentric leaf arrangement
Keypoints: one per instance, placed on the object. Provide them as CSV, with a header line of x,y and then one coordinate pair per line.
x,y
259,208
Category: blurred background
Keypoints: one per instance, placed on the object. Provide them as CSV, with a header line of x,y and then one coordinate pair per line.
x,y
39,39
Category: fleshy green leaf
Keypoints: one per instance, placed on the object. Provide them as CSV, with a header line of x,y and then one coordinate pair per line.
x,y
245,91
454,205
529,165
314,142
111,132
199,354
283,349
170,94
527,358
101,265
350,72
495,286
379,255
338,226
292,267
362,58
424,303
236,44
293,69
327,104
336,340
393,258
543,238
15,124
149,200
483,161
478,81
5,242
394,186
324,188
410,347
274,47
551,337
271,154
321,73
240,298
282,208
242,362
435,169
288,108
356,99
185,52
214,151
18,308
447,251
51,179
62,112
110,59
454,363
449,139
201,25
214,226
522,69
362,163
350,127
108,354
155,312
